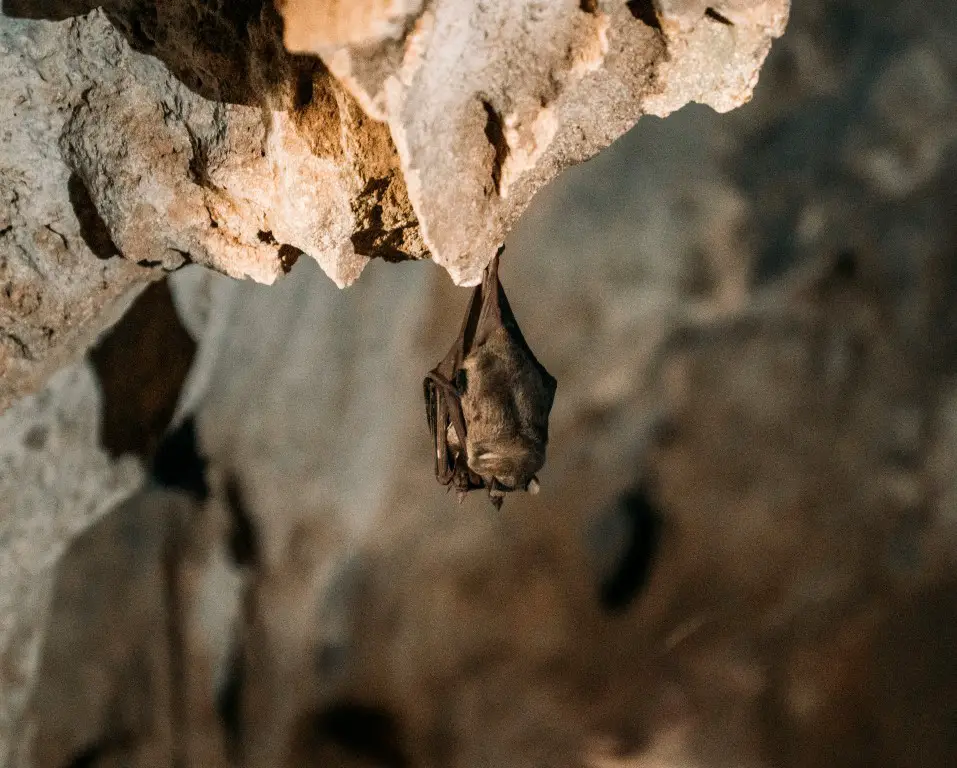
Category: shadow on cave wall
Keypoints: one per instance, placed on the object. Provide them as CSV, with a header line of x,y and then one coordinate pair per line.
x,y
224,50
863,676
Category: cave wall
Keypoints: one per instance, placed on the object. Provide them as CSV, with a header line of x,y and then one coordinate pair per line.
x,y
744,545
142,136
743,550
139,137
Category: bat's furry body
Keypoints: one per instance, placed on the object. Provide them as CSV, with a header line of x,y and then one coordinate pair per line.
x,y
488,401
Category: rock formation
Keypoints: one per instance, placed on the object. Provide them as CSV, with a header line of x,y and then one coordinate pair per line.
x,y
175,132
744,545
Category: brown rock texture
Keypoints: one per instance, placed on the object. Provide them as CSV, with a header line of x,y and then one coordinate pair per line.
x,y
55,481
743,550
162,133
140,136
165,135
486,102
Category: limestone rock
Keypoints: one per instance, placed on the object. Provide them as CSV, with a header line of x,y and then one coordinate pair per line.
x,y
537,87
142,140
54,482
176,132
796,445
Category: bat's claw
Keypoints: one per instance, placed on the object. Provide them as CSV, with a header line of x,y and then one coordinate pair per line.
x,y
496,493
533,486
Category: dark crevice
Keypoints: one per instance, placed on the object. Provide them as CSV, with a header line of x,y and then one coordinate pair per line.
x,y
634,569
495,134
242,539
88,757
220,50
142,29
93,229
52,10
179,463
714,15
375,239
288,256
367,732
141,364
139,22
366,241
36,438
845,265
242,13
304,89
199,161
245,551
588,6
265,236
22,350
644,11
60,235
99,752
6,229
229,707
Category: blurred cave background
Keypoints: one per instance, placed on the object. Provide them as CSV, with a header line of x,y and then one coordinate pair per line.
x,y
743,552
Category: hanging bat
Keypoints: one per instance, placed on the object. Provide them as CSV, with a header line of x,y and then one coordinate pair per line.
x,y
488,401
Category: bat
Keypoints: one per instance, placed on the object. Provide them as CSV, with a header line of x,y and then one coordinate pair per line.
x,y
488,401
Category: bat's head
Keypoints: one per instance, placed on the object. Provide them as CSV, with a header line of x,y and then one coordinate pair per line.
x,y
511,465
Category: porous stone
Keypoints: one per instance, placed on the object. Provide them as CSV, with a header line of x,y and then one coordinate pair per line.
x,y
54,482
537,87
167,133
144,138
754,342
149,135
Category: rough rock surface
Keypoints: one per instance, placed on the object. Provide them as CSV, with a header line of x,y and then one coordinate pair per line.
x,y
139,136
55,481
744,547
165,136
161,133
538,86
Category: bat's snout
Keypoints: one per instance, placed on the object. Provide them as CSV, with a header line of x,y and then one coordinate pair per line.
x,y
513,468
